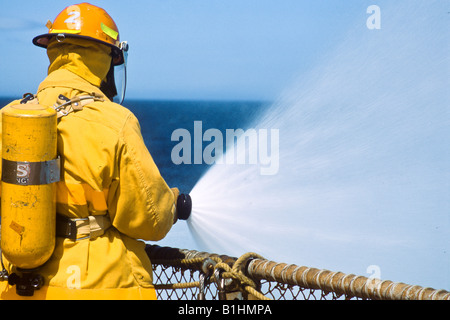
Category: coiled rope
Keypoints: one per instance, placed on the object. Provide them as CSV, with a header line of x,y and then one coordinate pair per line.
x,y
217,271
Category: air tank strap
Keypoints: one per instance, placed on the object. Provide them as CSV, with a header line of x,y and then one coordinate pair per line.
x,y
26,173
64,105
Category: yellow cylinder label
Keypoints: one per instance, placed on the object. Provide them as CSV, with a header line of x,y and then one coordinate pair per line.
x,y
30,173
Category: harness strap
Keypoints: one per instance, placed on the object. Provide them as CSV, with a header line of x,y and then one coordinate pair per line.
x,y
82,228
64,105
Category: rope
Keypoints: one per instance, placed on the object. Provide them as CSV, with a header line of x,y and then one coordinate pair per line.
x,y
172,286
187,263
235,272
340,283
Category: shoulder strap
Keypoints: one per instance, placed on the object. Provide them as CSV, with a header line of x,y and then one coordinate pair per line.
x,y
64,105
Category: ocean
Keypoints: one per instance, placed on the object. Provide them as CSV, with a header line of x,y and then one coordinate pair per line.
x,y
159,119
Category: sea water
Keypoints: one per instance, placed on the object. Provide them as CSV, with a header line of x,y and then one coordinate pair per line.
x,y
363,179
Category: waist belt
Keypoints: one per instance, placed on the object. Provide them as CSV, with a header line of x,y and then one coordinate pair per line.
x,y
81,228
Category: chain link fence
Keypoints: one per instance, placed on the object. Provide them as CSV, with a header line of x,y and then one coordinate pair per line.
x,y
273,290
191,275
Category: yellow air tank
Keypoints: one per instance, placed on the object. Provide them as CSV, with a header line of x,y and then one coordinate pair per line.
x,y
28,193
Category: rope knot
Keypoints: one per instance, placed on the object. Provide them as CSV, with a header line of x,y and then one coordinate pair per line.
x,y
236,272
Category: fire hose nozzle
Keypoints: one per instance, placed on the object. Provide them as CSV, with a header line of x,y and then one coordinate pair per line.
x,y
184,206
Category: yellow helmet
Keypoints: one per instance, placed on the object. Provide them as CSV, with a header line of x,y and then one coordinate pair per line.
x,y
87,21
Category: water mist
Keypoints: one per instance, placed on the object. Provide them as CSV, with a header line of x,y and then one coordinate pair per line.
x,y
363,177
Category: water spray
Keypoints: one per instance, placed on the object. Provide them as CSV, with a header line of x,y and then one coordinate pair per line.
x,y
362,183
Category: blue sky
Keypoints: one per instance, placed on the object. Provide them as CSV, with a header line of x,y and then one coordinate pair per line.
x,y
197,49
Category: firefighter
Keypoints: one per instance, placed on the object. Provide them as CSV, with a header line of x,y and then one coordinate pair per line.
x,y
110,192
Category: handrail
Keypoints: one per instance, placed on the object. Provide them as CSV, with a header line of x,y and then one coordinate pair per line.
x,y
257,268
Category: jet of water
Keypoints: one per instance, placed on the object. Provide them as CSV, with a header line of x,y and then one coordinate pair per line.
x,y
364,162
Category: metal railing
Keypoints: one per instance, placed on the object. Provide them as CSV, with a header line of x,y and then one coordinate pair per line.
x,y
189,275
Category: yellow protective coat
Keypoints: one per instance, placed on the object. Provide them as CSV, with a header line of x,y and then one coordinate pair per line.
x,y
106,169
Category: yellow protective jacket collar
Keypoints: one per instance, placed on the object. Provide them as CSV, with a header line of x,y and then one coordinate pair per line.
x,y
87,59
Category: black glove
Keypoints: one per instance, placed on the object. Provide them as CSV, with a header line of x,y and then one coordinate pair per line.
x,y
184,206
